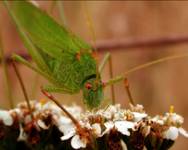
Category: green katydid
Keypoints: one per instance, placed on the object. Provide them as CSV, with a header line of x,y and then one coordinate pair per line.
x,y
61,57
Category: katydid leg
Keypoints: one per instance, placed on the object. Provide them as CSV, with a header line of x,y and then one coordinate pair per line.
x,y
50,88
143,66
104,61
28,64
127,87
108,58
139,67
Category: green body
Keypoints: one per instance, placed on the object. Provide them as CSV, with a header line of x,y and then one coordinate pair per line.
x,y
55,50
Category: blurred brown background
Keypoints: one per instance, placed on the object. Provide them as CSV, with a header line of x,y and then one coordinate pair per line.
x,y
156,87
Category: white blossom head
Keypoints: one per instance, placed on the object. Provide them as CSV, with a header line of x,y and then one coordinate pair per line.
x,y
6,117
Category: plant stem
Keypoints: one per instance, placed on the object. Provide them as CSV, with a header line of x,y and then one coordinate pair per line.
x,y
6,76
23,87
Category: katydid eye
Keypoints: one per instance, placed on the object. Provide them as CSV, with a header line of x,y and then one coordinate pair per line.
x,y
88,86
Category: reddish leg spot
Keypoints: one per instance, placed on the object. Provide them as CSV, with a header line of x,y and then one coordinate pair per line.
x,y
78,56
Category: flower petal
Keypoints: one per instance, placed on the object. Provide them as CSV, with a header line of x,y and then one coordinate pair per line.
x,y
172,133
42,124
64,120
97,129
68,135
77,143
67,128
109,125
174,119
6,117
123,145
183,132
123,126
22,136
139,116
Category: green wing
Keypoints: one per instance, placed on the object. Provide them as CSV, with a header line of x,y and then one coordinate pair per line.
x,y
55,46
44,32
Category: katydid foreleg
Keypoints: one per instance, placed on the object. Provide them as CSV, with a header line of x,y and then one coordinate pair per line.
x,y
139,67
108,58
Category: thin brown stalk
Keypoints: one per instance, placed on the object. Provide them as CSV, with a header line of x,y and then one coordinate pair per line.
x,y
22,87
127,87
6,75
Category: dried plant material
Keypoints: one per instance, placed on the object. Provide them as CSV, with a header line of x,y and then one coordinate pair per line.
x,y
110,126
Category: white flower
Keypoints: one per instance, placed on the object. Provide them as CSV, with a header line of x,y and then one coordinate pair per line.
x,y
158,119
109,125
146,130
183,132
107,115
18,112
96,129
78,143
173,119
110,111
113,108
69,130
68,134
137,108
66,127
121,126
64,120
6,117
124,126
120,115
51,106
42,124
123,145
139,116
74,110
22,136
173,132
27,119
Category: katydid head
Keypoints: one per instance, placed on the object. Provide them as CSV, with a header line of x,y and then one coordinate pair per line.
x,y
93,92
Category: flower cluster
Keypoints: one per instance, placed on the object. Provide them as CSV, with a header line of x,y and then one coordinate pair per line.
x,y
111,128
